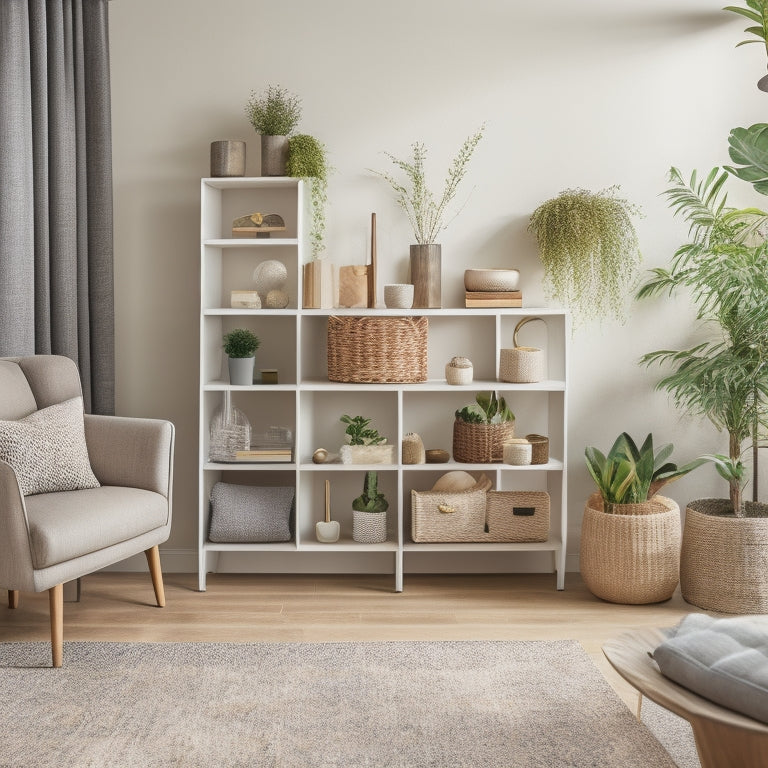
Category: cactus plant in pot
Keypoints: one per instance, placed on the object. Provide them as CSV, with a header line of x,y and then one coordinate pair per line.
x,y
630,535
369,513
724,560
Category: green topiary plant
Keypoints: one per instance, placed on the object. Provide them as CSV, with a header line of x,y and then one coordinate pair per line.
x,y
589,249
274,113
426,215
370,500
241,343
308,159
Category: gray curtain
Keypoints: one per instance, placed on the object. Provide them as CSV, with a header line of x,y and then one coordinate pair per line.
x,y
56,271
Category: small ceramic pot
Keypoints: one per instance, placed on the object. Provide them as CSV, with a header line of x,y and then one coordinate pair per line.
x,y
398,296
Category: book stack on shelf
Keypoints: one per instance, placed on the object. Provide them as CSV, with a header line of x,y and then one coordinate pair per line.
x,y
274,446
493,299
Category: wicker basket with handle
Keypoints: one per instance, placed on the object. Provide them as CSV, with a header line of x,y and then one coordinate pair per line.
x,y
370,350
522,365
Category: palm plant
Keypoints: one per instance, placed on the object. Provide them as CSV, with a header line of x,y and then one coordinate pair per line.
x,y
757,12
725,269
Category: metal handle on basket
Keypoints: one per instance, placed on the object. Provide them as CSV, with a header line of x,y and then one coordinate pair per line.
x,y
446,509
520,325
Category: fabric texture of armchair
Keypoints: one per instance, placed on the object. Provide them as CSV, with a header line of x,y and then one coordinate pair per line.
x,y
49,538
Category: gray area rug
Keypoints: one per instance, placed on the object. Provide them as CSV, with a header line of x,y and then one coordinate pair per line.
x,y
363,705
673,732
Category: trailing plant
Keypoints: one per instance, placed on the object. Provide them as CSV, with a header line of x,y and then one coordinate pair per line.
x,y
724,378
359,433
757,12
276,112
241,343
308,159
426,213
488,408
589,249
370,500
632,475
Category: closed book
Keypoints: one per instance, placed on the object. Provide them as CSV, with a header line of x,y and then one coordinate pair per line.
x,y
265,456
494,295
476,303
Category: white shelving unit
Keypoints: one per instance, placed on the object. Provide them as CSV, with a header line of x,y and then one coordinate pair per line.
x,y
294,342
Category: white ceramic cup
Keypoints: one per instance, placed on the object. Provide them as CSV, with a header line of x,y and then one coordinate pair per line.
x,y
398,296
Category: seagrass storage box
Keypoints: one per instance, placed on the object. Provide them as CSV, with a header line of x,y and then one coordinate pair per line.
x,y
479,516
372,350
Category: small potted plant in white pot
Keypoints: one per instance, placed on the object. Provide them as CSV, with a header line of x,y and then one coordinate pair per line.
x,y
275,115
369,513
365,444
240,346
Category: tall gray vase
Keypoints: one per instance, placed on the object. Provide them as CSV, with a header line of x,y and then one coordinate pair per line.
x,y
425,276
241,371
274,155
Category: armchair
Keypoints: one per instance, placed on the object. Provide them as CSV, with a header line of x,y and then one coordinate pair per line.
x,y
49,536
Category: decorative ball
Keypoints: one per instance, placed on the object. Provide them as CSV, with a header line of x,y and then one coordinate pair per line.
x,y
276,299
270,275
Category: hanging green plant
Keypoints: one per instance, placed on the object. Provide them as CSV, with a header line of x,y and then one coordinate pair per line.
x,y
308,160
589,249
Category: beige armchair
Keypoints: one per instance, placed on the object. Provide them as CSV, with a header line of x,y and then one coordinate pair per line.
x,y
49,538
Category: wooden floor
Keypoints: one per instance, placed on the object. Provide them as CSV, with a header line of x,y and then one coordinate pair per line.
x,y
277,608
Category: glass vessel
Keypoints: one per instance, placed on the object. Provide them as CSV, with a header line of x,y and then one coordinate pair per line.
x,y
230,432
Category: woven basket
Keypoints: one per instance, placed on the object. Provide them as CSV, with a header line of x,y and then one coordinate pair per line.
x,y
413,449
518,452
517,515
459,371
724,562
539,448
480,443
631,559
457,517
371,350
522,365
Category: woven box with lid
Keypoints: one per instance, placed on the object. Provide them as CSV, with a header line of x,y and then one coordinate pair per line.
x,y
369,350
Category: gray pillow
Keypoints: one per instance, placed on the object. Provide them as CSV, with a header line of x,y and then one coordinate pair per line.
x,y
47,449
723,660
250,513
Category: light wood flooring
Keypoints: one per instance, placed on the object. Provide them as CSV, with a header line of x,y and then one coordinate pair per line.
x,y
327,608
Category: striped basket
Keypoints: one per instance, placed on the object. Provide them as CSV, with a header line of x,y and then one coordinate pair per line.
x,y
372,350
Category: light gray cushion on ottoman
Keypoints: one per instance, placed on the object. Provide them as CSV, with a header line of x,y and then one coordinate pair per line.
x,y
723,660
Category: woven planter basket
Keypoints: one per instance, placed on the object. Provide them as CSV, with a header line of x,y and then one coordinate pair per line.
x,y
631,559
522,365
724,562
480,443
539,448
368,350
369,527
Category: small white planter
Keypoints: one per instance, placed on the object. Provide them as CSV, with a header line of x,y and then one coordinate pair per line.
x,y
369,527
241,371
367,454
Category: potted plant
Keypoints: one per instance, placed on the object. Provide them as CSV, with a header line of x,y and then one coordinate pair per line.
x,y
481,429
724,379
240,346
426,214
589,249
369,513
274,114
364,443
630,536
757,12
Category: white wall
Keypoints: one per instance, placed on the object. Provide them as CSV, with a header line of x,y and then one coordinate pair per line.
x,y
574,94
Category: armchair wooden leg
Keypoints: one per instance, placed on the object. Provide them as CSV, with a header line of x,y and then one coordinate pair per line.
x,y
56,600
153,560
13,598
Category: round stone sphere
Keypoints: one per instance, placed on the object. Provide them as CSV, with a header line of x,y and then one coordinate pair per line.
x,y
276,299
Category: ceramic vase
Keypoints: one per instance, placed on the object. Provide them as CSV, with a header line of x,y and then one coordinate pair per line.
x,y
425,276
274,155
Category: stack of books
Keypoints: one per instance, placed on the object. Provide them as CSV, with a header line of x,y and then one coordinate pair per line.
x,y
267,455
493,299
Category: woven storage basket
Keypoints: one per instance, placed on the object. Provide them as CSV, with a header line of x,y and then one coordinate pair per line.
x,y
457,517
631,559
518,452
377,349
522,365
480,443
413,449
517,515
724,562
539,448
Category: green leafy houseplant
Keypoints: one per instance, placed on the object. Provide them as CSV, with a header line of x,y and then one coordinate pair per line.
x,y
488,409
276,112
632,475
748,148
589,249
241,343
723,267
359,433
370,500
757,12
308,159
426,213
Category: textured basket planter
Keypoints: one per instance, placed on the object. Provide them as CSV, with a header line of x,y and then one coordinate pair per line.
x,y
631,558
480,443
724,560
369,527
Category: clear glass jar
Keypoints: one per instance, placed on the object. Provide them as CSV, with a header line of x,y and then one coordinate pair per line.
x,y
230,432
